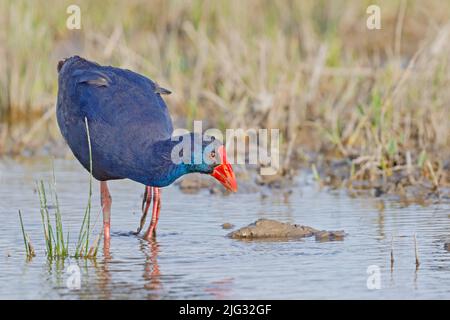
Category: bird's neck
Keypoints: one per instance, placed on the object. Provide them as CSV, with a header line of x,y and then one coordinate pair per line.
x,y
158,168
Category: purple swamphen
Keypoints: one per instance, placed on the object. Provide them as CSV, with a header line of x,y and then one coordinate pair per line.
x,y
130,133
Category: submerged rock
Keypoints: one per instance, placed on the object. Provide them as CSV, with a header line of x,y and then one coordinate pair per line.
x,y
324,236
193,183
272,229
227,225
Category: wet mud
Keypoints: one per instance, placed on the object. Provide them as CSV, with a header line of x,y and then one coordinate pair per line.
x,y
272,229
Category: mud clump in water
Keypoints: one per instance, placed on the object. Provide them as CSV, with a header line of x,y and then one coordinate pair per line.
x,y
272,229
264,228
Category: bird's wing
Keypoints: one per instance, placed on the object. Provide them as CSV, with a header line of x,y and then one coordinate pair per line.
x,y
125,101
95,78
161,90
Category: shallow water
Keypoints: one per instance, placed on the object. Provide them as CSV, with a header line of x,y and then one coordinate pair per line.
x,y
193,258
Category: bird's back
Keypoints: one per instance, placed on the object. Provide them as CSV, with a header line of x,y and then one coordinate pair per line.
x,y
124,111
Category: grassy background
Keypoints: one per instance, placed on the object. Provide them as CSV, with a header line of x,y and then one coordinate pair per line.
x,y
379,99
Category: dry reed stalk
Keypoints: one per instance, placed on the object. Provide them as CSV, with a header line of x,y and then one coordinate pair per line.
x,y
416,252
392,253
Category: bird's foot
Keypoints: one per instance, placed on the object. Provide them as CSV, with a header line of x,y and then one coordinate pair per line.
x,y
150,234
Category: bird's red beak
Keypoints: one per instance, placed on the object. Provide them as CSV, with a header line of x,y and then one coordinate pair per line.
x,y
224,172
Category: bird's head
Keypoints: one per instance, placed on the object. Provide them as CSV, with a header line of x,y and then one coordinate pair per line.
x,y
208,156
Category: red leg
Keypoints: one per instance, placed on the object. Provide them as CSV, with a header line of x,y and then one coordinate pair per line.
x,y
155,218
145,206
106,207
146,199
151,232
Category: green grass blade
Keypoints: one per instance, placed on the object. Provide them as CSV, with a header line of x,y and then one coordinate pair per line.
x,y
25,241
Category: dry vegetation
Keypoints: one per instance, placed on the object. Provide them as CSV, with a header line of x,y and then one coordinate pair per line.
x,y
377,100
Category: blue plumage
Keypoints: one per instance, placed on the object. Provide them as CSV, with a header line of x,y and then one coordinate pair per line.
x,y
130,126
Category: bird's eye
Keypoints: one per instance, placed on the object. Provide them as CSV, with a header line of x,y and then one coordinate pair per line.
x,y
213,154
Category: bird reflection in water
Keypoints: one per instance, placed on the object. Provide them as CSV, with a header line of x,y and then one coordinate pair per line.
x,y
103,273
220,289
152,274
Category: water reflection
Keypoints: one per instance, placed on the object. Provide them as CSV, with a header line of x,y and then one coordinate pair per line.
x,y
103,273
152,274
193,258
221,289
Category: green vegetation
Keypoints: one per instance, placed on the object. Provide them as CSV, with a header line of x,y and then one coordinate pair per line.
x,y
29,250
57,246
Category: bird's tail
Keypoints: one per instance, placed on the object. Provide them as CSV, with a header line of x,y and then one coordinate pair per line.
x,y
60,64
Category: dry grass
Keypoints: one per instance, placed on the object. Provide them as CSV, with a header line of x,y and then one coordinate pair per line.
x,y
311,68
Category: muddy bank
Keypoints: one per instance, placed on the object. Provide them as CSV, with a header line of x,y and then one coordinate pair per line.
x,y
272,229
331,174
410,183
